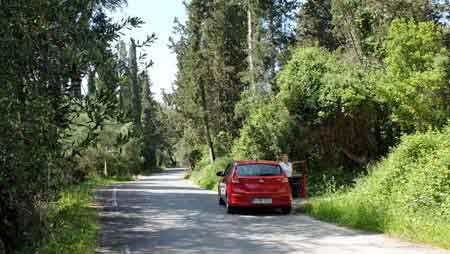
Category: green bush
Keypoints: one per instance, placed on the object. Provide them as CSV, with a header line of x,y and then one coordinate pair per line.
x,y
266,131
337,114
416,82
407,194
321,181
114,147
205,174
72,221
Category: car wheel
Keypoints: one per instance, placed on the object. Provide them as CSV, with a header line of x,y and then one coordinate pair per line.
x,y
221,202
230,209
286,210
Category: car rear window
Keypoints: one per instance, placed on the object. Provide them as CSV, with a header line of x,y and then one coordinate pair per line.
x,y
258,170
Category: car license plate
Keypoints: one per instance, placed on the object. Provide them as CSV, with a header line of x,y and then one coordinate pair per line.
x,y
262,201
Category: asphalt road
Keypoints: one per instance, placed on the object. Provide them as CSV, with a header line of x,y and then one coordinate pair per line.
x,y
166,214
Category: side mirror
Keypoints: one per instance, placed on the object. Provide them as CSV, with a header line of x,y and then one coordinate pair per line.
x,y
220,173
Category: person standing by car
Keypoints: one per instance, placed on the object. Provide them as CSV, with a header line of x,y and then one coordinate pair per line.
x,y
286,165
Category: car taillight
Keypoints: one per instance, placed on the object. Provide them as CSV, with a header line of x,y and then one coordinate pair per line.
x,y
284,180
235,180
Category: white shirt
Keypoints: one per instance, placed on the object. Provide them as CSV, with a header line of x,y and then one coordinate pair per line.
x,y
287,168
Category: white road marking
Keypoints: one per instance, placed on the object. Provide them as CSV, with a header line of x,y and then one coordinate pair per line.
x,y
169,229
114,198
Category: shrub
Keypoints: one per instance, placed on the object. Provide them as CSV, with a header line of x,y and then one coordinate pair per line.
x,y
322,181
406,194
335,107
114,148
72,222
205,174
417,77
266,131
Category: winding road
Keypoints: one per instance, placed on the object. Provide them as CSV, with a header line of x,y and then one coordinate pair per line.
x,y
164,213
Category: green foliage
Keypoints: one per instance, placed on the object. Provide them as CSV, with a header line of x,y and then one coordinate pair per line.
x,y
353,26
73,220
136,88
322,181
301,82
326,98
270,31
265,133
405,194
114,149
204,174
417,81
48,47
314,26
152,138
340,109
212,75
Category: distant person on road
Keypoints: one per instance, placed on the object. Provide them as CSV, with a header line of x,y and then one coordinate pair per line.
x,y
286,165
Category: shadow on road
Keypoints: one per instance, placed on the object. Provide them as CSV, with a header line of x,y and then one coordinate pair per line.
x,y
164,214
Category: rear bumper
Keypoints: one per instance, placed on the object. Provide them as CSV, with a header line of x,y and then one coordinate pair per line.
x,y
245,200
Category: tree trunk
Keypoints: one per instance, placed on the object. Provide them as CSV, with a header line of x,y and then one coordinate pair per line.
x,y
212,155
105,168
205,112
250,42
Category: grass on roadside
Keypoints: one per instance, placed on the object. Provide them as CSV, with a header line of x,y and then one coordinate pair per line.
x,y
72,220
406,195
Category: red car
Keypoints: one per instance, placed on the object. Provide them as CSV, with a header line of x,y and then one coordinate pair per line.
x,y
254,184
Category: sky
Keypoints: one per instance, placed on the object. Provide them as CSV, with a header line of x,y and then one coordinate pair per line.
x,y
158,16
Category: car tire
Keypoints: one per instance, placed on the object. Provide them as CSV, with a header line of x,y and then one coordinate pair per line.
x,y
221,202
286,210
230,209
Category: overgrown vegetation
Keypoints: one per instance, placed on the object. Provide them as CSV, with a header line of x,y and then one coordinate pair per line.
x,y
72,219
406,194
341,105
205,173
53,133
339,89
336,82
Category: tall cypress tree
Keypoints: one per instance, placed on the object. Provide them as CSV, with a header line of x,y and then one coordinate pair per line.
x,y
150,123
135,87
224,52
197,13
123,75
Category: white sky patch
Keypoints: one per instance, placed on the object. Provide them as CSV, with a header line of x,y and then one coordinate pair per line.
x,y
158,16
